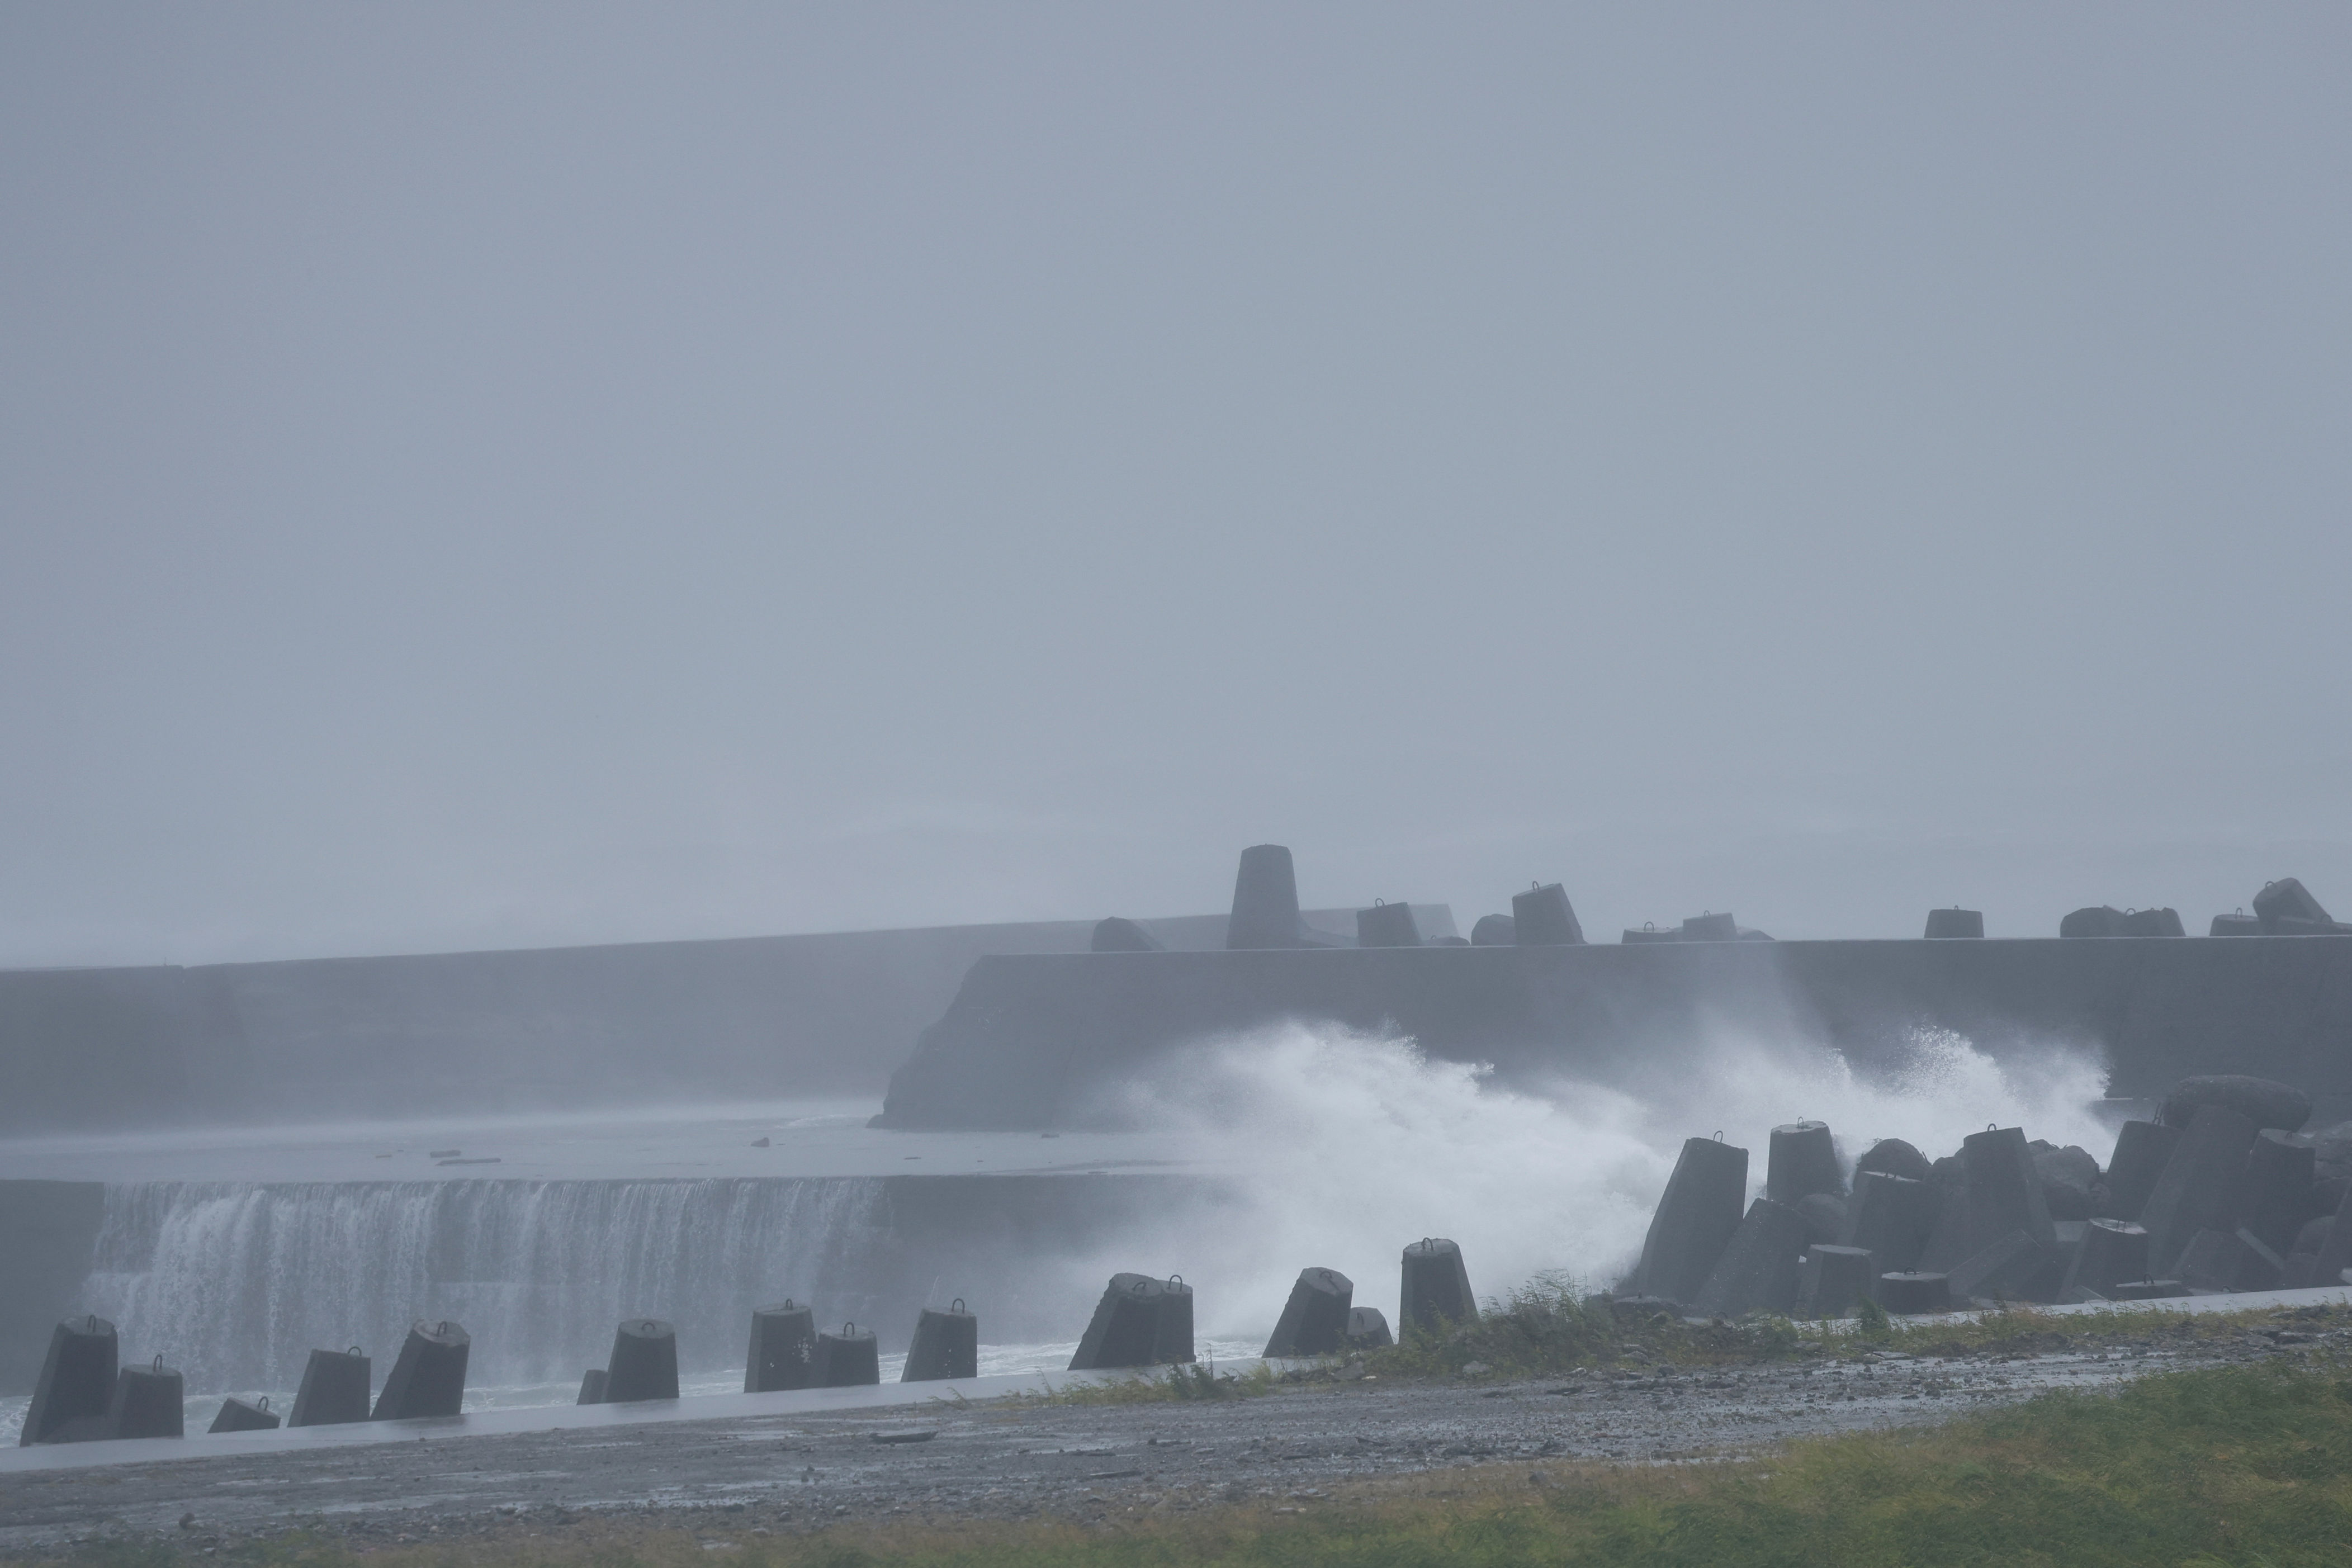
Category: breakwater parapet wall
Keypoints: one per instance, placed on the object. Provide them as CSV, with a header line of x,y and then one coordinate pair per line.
x,y
1030,1041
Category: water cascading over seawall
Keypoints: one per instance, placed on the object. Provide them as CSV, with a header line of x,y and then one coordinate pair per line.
x,y
235,1283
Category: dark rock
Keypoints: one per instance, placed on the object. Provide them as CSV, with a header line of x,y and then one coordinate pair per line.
x,y
2199,1186
1114,935
2068,1177
1386,924
429,1378
2141,1150
336,1387
2262,1100
2099,920
1694,1221
1758,1269
1896,1157
1436,1288
1955,922
1495,931
1315,1320
947,1344
1542,917
1833,1280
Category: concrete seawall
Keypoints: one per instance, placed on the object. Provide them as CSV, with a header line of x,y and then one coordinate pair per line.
x,y
1028,1039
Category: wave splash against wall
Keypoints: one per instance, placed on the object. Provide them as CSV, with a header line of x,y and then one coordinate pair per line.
x,y
236,1283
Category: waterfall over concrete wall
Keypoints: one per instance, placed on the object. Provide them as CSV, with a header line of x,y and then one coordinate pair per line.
x,y
235,1283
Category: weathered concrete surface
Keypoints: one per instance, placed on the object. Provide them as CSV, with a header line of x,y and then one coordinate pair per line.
x,y
805,1470
1030,1040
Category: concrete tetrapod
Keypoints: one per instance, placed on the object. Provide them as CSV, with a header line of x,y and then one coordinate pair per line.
x,y
2197,1188
2147,1290
237,1416
1907,1292
1315,1320
2004,1189
947,1344
1131,1325
1825,1218
848,1359
2220,1260
643,1364
76,1385
1710,928
2141,1150
1386,924
1367,1329
2287,902
1890,1216
1955,922
1758,1271
1998,1272
2277,1192
1694,1221
150,1401
1265,901
1542,917
1834,1281
2336,1248
591,1386
1802,1160
1435,1287
2112,1251
783,1347
1114,935
336,1385
429,1378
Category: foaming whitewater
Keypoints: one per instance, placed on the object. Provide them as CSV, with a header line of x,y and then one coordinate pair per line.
x,y
235,1283
1356,1144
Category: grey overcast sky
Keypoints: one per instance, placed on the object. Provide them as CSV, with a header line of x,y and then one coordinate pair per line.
x,y
496,475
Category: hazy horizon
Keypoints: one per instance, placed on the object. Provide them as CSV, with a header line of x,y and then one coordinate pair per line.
x,y
533,475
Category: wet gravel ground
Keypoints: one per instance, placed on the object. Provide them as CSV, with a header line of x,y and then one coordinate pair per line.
x,y
744,1477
